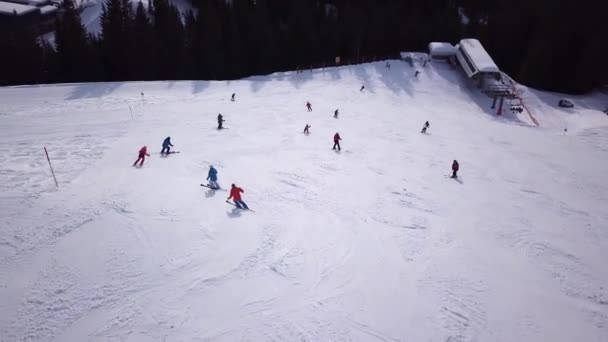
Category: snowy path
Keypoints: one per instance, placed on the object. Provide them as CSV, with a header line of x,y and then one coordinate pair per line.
x,y
373,243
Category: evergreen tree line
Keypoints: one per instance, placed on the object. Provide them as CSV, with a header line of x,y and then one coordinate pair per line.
x,y
555,45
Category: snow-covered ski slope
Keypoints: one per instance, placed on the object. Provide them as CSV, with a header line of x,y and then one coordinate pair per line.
x,y
374,243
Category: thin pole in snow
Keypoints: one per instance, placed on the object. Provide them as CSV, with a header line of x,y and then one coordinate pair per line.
x,y
130,110
51,166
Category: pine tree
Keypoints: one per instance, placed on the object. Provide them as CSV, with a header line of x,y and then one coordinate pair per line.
x,y
72,45
22,56
140,47
168,39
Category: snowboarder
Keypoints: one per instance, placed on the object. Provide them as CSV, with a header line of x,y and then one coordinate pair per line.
x,y
307,129
337,141
235,194
362,87
416,73
309,106
336,114
426,125
212,178
166,145
143,152
232,98
220,121
455,167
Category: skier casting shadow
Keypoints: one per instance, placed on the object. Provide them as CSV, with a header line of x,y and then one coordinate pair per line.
x,y
234,213
425,127
166,146
337,141
220,121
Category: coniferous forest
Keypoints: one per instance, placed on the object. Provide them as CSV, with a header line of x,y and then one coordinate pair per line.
x,y
552,45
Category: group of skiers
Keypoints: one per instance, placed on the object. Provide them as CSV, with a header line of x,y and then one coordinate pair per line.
x,y
235,191
143,152
337,137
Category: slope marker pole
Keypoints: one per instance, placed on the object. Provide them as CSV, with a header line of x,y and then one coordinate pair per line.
x,y
51,166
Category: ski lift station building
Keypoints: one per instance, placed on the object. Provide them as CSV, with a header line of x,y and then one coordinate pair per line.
x,y
441,50
476,62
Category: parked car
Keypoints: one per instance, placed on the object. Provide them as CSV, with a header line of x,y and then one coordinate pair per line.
x,y
565,103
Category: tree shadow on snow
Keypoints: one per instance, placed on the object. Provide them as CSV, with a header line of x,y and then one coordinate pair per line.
x,y
361,73
399,77
92,90
199,86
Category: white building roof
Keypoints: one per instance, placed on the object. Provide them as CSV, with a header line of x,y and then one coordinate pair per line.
x,y
478,56
441,49
36,3
48,9
11,8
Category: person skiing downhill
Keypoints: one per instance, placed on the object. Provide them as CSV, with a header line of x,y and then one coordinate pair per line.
x,y
220,121
337,141
232,97
455,167
307,129
143,152
167,145
309,106
362,88
212,178
336,114
426,125
235,194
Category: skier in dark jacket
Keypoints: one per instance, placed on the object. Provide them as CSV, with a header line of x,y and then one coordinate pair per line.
x,y
337,141
426,125
166,145
232,97
336,114
455,167
220,121
362,88
212,178
308,106
307,129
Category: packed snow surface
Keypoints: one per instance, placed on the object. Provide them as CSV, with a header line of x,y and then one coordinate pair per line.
x,y
373,243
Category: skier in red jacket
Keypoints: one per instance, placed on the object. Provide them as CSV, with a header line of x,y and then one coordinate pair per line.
x,y
337,141
142,156
235,194
455,167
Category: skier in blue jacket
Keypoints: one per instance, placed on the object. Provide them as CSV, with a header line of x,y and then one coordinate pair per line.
x,y
212,178
167,145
